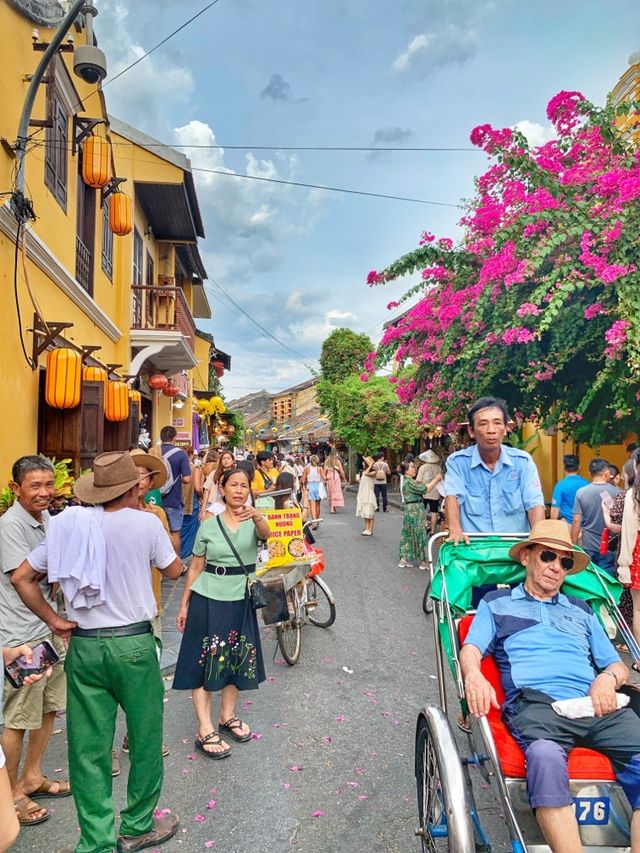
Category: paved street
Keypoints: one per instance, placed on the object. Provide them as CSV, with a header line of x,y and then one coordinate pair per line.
x,y
332,767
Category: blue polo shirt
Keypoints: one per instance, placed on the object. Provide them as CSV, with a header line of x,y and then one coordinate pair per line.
x,y
549,645
564,495
493,501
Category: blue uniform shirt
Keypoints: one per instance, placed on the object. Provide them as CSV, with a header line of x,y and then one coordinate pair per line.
x,y
564,495
493,501
549,645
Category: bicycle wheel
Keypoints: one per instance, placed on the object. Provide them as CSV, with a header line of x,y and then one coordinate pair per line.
x,y
324,613
427,602
289,633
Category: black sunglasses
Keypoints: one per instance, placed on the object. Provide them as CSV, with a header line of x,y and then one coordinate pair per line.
x,y
550,556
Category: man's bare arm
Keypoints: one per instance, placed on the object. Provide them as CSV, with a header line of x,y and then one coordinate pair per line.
x,y
575,529
173,570
452,517
25,582
479,693
536,513
555,513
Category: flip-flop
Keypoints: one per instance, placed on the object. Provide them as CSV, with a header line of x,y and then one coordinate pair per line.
x,y
635,666
215,740
25,807
64,789
231,725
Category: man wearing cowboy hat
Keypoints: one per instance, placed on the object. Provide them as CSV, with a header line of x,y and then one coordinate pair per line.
x,y
549,647
101,556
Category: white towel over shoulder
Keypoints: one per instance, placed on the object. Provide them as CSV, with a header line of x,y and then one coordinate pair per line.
x,y
77,555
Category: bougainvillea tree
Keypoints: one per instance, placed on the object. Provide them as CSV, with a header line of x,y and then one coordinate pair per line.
x,y
540,300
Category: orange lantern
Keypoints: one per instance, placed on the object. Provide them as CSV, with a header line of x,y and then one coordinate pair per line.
x,y
63,386
95,162
120,214
116,401
158,382
94,374
135,396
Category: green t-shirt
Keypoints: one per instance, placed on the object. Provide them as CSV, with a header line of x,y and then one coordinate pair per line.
x,y
211,544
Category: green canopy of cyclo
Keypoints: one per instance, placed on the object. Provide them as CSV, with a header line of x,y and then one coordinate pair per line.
x,y
486,561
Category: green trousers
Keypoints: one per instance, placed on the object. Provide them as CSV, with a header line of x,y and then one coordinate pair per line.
x,y
102,674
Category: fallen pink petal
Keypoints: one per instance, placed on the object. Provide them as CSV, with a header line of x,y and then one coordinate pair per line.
x,y
212,804
318,814
353,784
209,844
363,797
192,756
296,768
359,771
279,661
386,713
185,740
199,818
326,660
327,739
256,736
286,785
271,678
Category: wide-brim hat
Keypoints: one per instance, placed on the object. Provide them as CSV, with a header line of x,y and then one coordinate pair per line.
x,y
556,534
155,465
114,473
429,456
368,460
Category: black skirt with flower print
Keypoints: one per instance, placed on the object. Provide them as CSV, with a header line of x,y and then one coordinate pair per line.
x,y
220,646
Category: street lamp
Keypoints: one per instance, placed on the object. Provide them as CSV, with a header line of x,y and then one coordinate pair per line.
x,y
89,63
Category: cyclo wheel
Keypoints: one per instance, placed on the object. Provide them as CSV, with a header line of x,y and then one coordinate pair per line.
x,y
324,613
443,804
427,603
289,633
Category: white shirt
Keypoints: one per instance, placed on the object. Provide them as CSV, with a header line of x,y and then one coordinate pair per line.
x,y
135,541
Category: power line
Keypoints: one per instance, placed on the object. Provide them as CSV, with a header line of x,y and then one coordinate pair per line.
x,y
368,148
325,187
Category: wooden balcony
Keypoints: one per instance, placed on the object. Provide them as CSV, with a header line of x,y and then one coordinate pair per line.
x,y
162,308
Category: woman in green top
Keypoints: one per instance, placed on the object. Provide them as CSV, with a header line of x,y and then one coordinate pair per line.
x,y
414,537
220,647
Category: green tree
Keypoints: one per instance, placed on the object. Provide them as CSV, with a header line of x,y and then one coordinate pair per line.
x,y
367,415
344,352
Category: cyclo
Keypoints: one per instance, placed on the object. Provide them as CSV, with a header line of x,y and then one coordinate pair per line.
x,y
449,817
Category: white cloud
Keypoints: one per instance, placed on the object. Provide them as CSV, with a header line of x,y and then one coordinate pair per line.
x,y
446,44
315,331
536,134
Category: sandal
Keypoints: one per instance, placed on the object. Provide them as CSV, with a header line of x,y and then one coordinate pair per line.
x,y
215,740
25,807
232,726
46,789
623,647
635,666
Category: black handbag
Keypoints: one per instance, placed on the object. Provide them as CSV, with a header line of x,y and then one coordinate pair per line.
x,y
255,588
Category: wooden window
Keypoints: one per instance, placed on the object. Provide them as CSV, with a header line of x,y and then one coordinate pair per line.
x,y
150,271
85,232
107,241
136,293
55,152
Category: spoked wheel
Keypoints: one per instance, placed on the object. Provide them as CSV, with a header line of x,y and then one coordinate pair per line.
x,y
289,633
443,806
324,613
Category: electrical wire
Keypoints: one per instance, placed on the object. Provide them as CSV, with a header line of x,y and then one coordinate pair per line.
x,y
19,238
325,187
367,148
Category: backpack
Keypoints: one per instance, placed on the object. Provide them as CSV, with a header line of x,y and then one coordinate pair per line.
x,y
171,480
381,476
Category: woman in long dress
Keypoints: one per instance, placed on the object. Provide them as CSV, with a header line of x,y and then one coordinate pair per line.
x,y
334,476
414,537
366,499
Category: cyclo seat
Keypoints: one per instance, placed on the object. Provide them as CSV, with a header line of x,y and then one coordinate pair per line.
x,y
583,763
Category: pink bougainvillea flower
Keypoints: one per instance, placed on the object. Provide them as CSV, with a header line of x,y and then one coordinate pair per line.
x,y
318,813
212,804
192,756
271,678
296,768
199,818
209,844
340,718
286,785
256,736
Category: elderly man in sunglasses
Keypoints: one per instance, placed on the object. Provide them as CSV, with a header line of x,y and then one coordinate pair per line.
x,y
549,646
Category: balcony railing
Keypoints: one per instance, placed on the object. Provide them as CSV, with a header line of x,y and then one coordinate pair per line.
x,y
162,308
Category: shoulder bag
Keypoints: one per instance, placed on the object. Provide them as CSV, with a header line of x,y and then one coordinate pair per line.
x,y
255,588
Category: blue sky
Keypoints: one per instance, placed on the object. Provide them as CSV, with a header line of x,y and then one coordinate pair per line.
x,y
350,73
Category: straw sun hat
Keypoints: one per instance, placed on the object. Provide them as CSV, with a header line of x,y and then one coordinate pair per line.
x,y
154,464
556,534
114,473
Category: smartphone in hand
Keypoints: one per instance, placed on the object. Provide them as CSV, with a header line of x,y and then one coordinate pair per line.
x,y
44,657
606,499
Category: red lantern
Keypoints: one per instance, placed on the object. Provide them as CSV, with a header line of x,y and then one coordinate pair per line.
x,y
171,390
158,382
218,366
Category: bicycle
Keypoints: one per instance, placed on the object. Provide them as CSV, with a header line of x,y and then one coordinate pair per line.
x,y
312,601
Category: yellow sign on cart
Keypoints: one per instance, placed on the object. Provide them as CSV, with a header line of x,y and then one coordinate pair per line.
x,y
285,543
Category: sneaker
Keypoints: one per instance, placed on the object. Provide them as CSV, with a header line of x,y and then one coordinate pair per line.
x,y
366,533
115,763
404,565
423,566
164,828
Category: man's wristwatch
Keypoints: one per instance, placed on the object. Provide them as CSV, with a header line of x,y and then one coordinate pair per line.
x,y
612,674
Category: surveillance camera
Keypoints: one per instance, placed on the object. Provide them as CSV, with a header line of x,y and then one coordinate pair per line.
x,y
35,35
90,63
70,38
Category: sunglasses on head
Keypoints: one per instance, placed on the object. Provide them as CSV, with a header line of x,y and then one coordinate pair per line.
x,y
549,556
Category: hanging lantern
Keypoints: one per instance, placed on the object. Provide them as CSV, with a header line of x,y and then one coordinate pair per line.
x,y
116,401
120,214
94,374
63,387
95,162
218,367
158,382
171,390
135,396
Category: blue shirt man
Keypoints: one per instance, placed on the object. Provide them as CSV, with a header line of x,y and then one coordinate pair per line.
x,y
564,492
491,488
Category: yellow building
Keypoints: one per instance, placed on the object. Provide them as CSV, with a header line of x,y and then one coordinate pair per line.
x,y
127,302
